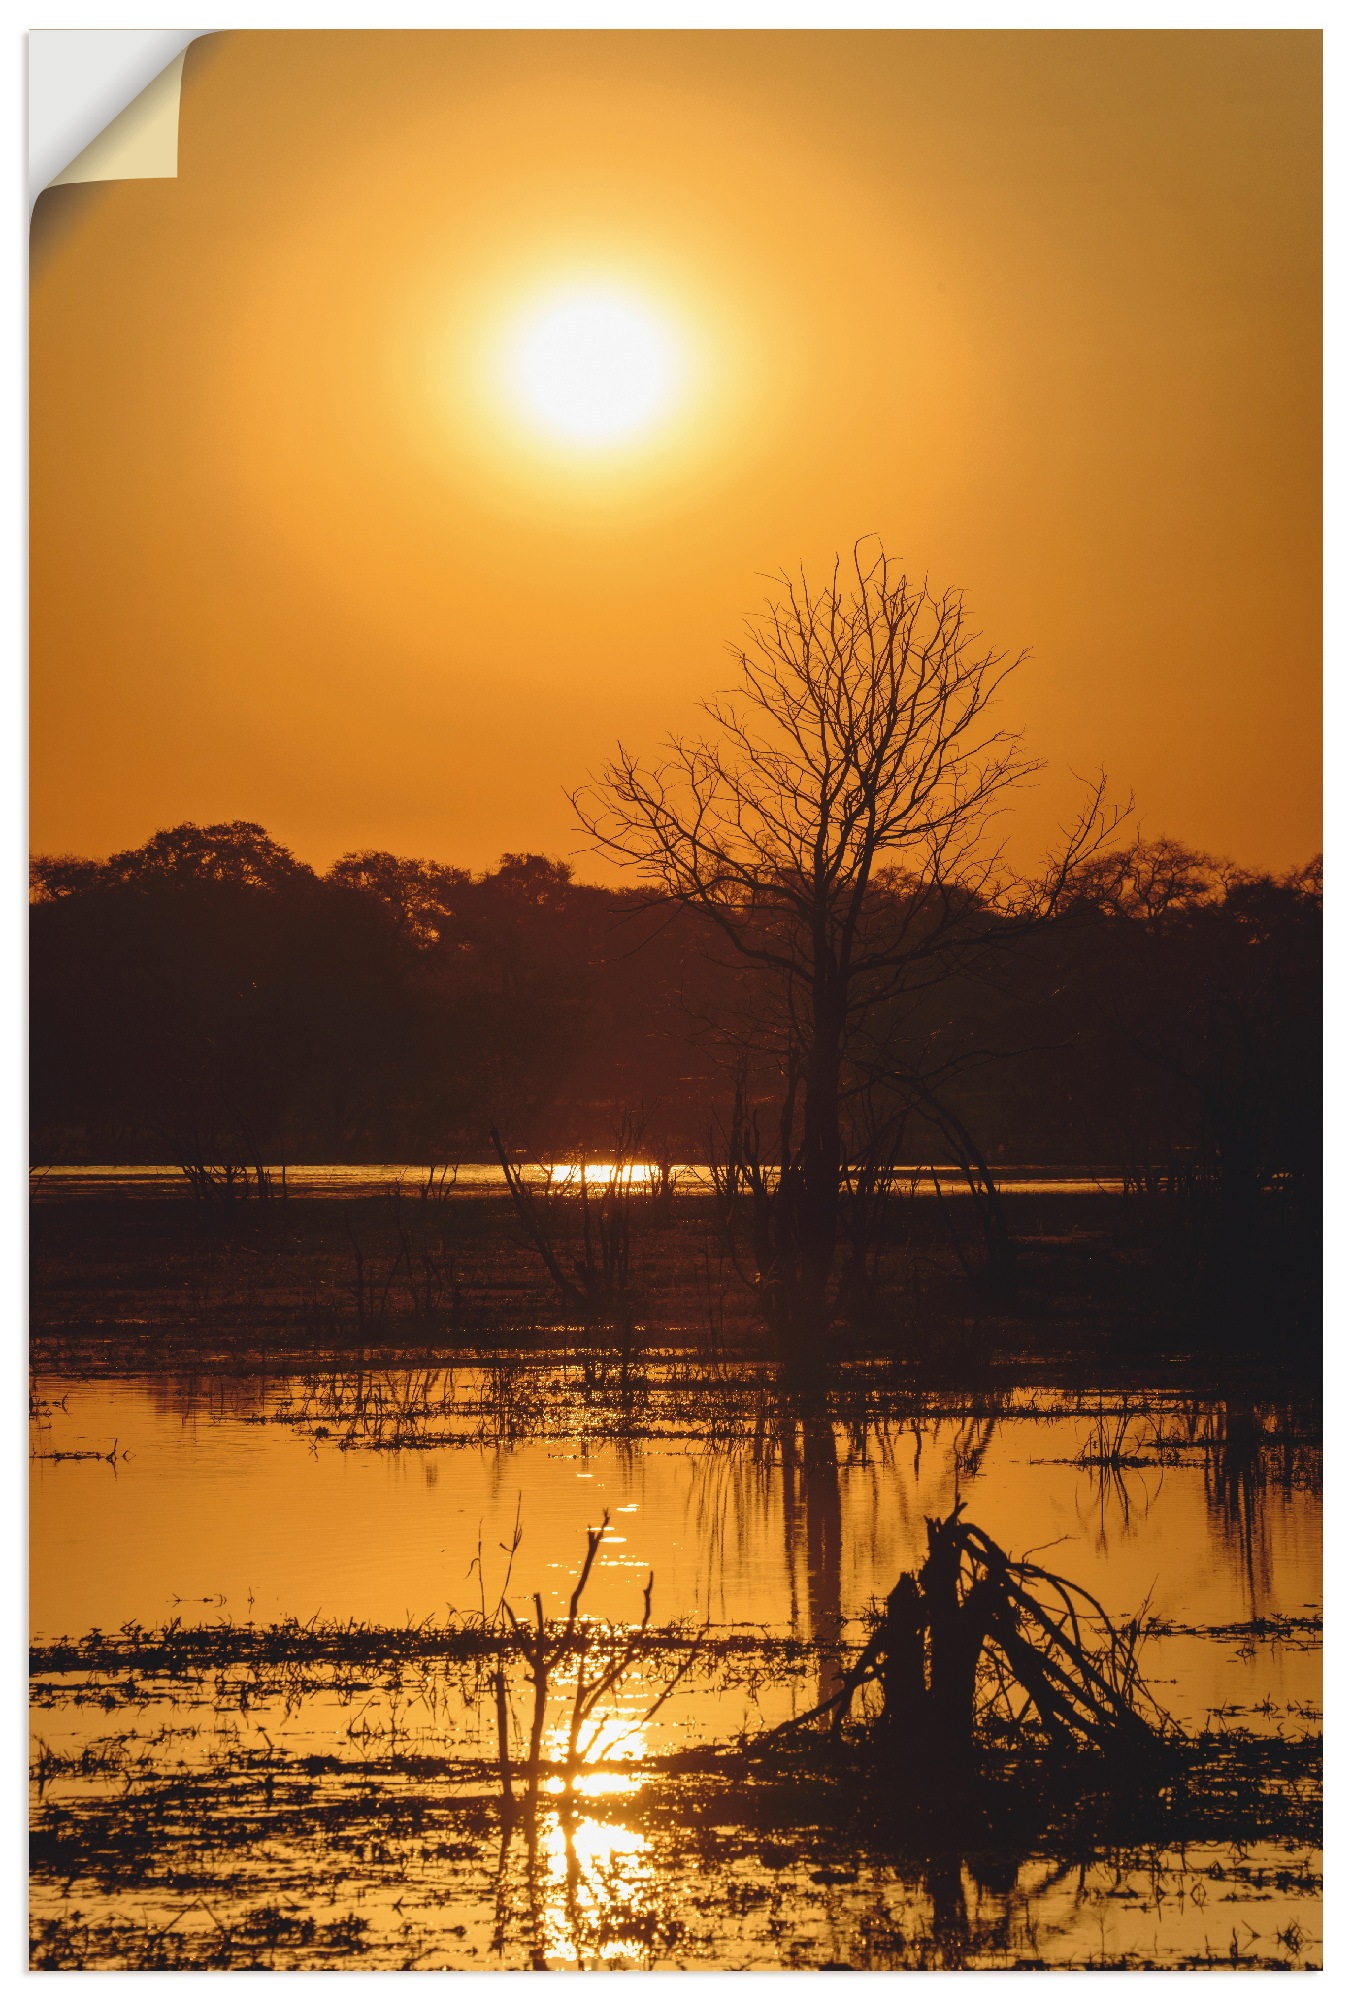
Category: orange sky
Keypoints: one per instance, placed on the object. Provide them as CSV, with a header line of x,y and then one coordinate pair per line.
x,y
1042,309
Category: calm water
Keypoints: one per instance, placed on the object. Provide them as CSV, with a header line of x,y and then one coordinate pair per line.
x,y
274,1503
51,1183
370,1499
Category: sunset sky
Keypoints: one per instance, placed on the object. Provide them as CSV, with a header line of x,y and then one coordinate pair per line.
x,y
326,535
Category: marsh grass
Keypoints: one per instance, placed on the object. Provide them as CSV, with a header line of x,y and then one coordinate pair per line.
x,y
382,1854
436,1831
124,1279
226,1795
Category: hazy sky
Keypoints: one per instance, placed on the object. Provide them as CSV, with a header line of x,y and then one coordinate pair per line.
x,y
1041,309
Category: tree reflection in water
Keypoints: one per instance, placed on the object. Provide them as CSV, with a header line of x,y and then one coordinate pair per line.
x,y
1250,1450
812,1539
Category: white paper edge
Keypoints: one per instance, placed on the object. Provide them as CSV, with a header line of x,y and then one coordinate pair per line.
x,y
80,80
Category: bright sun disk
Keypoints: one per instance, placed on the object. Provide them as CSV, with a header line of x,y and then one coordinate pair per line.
x,y
593,367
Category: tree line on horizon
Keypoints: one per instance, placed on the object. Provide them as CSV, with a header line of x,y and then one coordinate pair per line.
x,y
209,995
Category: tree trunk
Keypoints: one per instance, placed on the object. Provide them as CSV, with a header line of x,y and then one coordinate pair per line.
x,y
821,1167
956,1638
902,1675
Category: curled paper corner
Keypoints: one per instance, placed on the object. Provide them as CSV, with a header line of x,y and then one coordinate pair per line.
x,y
103,105
141,143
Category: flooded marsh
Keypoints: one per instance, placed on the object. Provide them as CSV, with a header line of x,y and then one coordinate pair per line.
x,y
675,1322
267,1728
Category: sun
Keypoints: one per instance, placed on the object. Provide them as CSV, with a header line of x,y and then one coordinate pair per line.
x,y
594,368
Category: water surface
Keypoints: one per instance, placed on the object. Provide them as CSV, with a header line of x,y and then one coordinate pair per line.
x,y
383,1496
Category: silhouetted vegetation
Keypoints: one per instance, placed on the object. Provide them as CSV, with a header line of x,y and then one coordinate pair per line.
x,y
208,1001
206,997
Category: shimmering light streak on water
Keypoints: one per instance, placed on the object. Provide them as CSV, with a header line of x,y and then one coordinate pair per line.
x,y
476,1178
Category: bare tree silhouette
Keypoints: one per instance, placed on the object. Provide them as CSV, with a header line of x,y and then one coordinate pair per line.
x,y
836,828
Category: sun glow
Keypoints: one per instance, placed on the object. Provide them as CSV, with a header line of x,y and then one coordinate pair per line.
x,y
592,367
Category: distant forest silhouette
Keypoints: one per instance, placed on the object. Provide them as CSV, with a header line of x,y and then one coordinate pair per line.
x,y
207,994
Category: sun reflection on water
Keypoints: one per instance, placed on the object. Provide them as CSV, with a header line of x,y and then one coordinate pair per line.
x,y
599,1881
602,1173
593,1880
615,1739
